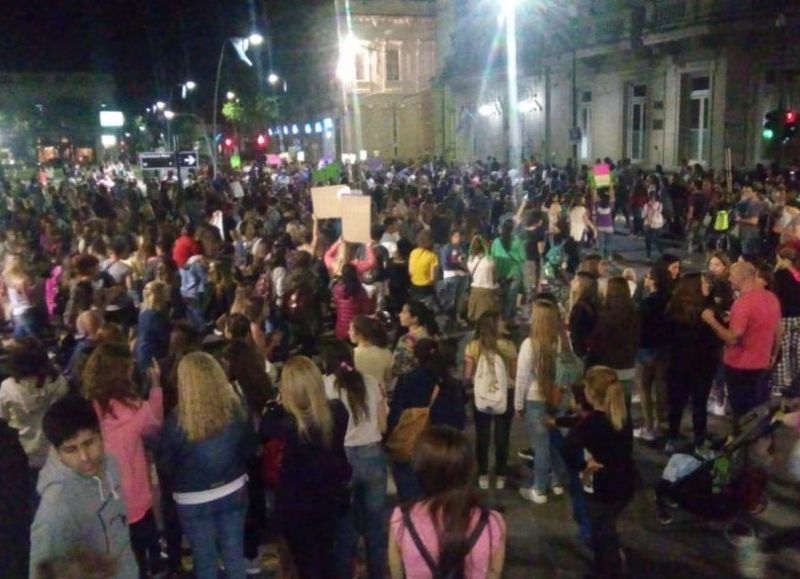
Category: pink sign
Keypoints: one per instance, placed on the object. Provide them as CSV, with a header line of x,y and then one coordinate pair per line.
x,y
602,175
274,160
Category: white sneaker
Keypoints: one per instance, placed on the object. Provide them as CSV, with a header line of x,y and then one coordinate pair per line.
x,y
558,490
532,495
636,398
483,482
644,433
716,408
500,483
751,559
254,566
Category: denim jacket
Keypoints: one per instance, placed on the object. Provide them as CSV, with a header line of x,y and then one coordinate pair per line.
x,y
194,278
206,464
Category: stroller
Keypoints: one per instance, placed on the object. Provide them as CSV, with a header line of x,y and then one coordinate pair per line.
x,y
723,488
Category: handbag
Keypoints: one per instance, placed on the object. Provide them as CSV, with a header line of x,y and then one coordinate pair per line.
x,y
569,366
412,422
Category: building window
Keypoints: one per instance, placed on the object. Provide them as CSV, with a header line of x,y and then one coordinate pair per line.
x,y
362,65
637,123
699,120
392,65
585,125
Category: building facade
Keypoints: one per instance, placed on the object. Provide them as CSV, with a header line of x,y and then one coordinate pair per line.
x,y
657,81
49,116
387,61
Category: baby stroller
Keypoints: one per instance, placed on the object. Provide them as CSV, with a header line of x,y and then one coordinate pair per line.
x,y
723,488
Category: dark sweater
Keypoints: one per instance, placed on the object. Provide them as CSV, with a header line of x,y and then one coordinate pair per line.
x,y
582,319
695,346
414,390
614,342
654,331
787,288
611,448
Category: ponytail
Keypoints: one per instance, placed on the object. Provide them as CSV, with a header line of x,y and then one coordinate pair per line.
x,y
615,405
352,381
602,383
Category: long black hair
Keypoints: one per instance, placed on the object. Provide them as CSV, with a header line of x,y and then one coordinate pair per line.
x,y
352,285
424,315
505,234
338,361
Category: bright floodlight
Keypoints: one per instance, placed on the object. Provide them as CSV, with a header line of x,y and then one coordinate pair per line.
x,y
526,106
230,95
509,4
255,39
273,78
169,115
346,67
190,85
161,105
486,110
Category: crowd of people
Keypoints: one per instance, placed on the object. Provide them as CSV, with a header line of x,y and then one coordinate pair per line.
x,y
206,363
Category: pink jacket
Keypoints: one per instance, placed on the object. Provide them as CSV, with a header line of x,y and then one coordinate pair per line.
x,y
124,428
348,308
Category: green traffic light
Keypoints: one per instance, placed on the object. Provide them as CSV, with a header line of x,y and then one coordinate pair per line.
x,y
768,134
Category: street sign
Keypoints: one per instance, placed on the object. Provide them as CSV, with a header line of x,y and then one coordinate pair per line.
x,y
157,160
188,159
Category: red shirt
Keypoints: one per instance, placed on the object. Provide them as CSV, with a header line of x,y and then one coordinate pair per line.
x,y
755,317
185,247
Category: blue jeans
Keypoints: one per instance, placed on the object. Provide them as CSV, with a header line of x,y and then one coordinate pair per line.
x,y
652,237
604,243
510,298
367,516
216,530
579,512
27,325
454,287
546,460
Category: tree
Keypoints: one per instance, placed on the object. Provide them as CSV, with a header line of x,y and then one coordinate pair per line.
x,y
233,112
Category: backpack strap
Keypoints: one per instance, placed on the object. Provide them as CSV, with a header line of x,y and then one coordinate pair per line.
x,y
475,536
409,525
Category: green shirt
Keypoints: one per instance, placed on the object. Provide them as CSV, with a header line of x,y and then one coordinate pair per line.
x,y
508,263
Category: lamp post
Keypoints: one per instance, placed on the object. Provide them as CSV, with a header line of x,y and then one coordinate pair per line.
x,y
510,15
240,44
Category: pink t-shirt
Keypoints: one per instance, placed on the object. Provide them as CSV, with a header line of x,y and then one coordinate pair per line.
x,y
755,317
477,564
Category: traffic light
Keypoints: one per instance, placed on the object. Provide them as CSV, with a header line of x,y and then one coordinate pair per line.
x,y
789,125
262,140
228,142
771,125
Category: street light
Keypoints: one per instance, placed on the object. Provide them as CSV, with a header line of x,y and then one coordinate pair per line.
x,y
240,45
161,105
230,95
509,8
190,85
273,78
169,115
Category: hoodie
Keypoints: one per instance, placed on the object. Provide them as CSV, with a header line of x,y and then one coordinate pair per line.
x,y
124,427
78,511
22,405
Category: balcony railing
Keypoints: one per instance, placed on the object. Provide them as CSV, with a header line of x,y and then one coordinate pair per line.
x,y
669,14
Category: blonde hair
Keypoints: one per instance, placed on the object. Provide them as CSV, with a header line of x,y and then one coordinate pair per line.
x,y
602,384
303,396
155,296
544,336
206,400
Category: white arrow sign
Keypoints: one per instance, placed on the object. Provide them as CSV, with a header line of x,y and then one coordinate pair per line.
x,y
190,160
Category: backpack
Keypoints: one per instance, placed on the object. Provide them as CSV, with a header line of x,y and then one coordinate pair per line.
x,y
433,566
491,384
721,221
554,260
412,422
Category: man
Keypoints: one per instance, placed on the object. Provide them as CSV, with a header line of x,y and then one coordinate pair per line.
x,y
81,504
752,340
749,212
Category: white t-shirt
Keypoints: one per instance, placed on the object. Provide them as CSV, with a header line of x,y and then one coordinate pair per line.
x,y
481,269
577,223
367,431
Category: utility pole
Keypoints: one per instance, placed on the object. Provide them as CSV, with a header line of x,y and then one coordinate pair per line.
x,y
780,24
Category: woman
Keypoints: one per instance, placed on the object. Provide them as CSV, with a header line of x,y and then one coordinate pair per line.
x,y
508,253
460,537
416,390
583,309
489,342
311,497
350,300
616,336
205,446
422,266
787,288
398,276
481,266
553,206
25,396
651,359
371,354
126,421
579,223
653,219
343,252
534,395
695,354
152,340
600,446
20,289
605,225
366,407
721,291
421,325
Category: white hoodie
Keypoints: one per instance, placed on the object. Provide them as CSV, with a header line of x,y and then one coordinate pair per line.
x,y
23,404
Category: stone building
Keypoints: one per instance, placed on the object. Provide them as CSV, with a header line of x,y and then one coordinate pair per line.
x,y
657,81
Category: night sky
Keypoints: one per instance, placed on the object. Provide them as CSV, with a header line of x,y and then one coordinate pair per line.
x,y
149,46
